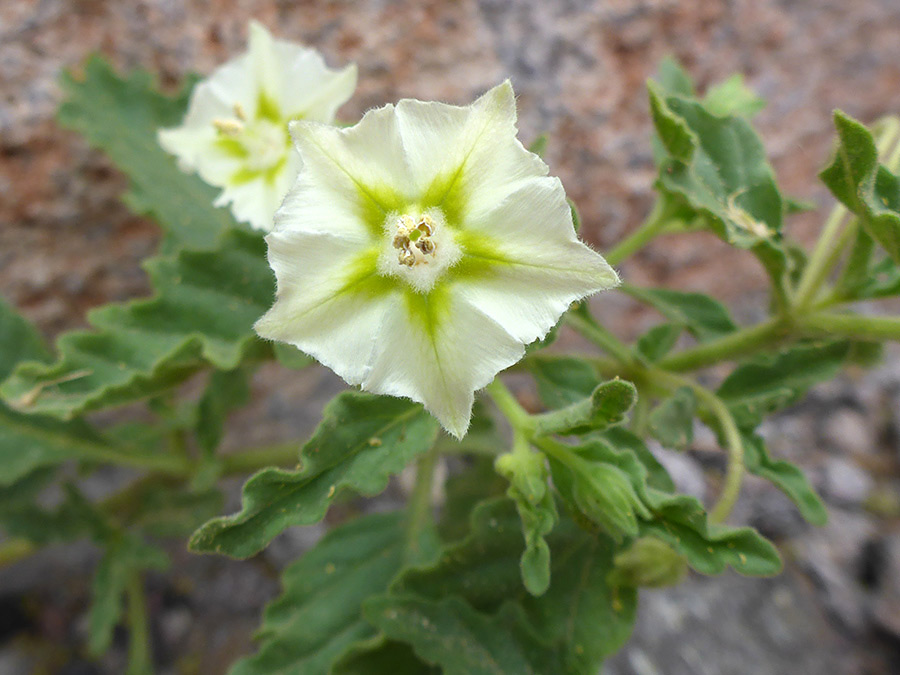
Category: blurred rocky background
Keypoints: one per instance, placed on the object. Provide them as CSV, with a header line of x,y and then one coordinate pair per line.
x,y
579,66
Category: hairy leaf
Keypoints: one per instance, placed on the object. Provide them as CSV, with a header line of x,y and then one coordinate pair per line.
x,y
768,383
581,613
703,316
203,313
318,617
865,187
672,421
451,634
361,441
733,97
562,380
120,115
659,341
786,476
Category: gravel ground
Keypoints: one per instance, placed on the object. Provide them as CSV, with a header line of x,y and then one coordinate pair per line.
x,y
67,244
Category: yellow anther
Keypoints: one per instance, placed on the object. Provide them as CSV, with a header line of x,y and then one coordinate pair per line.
x,y
228,127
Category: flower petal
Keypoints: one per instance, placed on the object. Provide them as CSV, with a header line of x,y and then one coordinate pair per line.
x,y
532,265
439,350
466,154
363,165
330,300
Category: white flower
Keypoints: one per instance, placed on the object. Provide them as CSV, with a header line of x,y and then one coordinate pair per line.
x,y
421,250
235,131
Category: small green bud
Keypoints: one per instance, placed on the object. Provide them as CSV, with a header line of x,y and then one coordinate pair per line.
x,y
648,562
604,494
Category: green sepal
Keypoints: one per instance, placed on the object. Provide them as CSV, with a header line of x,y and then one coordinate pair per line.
x,y
606,406
528,475
865,187
622,439
672,421
121,115
650,563
361,441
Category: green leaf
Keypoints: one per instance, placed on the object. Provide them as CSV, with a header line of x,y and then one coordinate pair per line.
x,y
681,521
733,97
227,389
767,383
581,614
881,280
361,441
659,341
704,317
459,639
318,616
674,135
124,557
674,79
868,189
380,656
562,380
717,165
786,476
622,439
290,357
539,145
606,406
672,421
464,491
121,115
203,313
19,341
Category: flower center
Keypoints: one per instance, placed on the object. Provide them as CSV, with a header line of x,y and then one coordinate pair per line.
x,y
418,247
414,241
262,142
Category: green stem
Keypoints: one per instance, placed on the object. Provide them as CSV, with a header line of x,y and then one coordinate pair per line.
x,y
817,268
420,508
851,325
600,337
740,343
734,445
518,417
654,224
140,660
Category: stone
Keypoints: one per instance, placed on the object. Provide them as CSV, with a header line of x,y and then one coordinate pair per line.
x,y
886,608
846,483
848,431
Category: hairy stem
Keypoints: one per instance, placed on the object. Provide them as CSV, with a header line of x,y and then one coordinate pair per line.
x,y
740,343
600,336
851,325
140,659
654,224
420,516
734,445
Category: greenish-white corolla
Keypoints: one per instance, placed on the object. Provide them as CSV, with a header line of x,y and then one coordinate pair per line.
x,y
235,133
420,250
